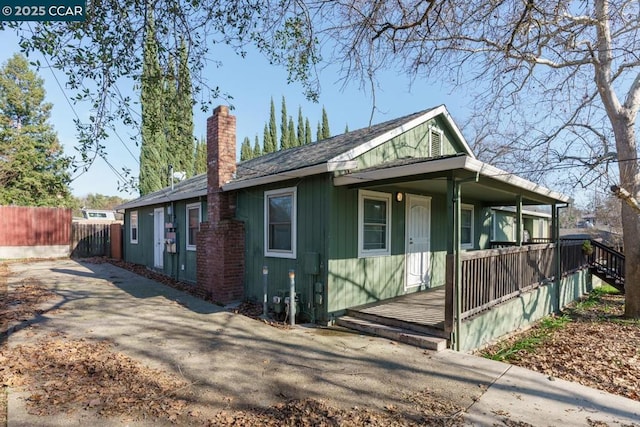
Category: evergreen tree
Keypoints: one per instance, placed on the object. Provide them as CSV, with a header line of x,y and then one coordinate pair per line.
x,y
307,131
184,121
257,151
284,127
326,133
153,155
273,131
246,153
200,163
346,128
319,133
171,116
33,170
301,129
291,133
267,143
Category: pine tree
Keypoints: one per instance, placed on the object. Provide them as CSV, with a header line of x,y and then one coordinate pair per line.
x,y
184,120
273,131
326,133
301,129
307,131
153,156
346,128
33,170
246,153
284,127
257,151
200,163
319,133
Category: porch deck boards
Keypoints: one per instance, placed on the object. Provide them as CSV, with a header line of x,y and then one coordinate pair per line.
x,y
420,308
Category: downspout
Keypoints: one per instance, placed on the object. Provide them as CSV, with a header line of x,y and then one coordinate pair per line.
x,y
457,249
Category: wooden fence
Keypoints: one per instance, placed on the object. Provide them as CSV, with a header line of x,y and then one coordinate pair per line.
x,y
492,276
34,226
96,239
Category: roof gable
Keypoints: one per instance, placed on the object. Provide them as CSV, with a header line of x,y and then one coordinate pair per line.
x,y
336,153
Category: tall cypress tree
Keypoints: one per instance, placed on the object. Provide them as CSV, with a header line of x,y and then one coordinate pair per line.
x,y
246,153
291,133
200,163
184,123
153,156
257,151
319,133
171,116
267,144
273,131
307,131
326,133
284,127
301,129
346,128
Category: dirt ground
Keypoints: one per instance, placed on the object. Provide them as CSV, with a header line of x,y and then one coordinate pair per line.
x,y
96,344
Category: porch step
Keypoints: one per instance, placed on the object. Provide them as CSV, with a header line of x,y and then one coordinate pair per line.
x,y
392,332
398,323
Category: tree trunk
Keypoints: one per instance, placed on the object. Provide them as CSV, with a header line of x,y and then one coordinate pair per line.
x,y
624,132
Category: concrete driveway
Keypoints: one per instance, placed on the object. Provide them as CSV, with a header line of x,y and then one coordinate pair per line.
x,y
232,360
237,362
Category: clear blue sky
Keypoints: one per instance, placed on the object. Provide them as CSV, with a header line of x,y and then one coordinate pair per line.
x,y
252,82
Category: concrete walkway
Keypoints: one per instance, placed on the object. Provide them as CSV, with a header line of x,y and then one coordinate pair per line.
x,y
236,362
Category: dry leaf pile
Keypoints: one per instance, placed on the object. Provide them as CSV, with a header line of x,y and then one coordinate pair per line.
x,y
311,413
21,303
596,348
63,375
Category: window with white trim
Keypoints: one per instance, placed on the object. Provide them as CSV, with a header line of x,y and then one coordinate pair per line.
x,y
466,226
374,223
193,225
133,227
280,223
436,136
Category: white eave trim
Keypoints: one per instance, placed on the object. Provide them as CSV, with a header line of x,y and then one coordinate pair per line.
x,y
330,166
363,148
161,199
509,178
440,165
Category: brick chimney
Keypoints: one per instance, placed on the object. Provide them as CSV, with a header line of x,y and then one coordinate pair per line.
x,y
220,242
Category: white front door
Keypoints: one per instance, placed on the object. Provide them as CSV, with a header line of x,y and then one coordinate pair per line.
x,y
418,241
158,237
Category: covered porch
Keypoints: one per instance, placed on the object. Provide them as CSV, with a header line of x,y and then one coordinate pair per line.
x,y
477,278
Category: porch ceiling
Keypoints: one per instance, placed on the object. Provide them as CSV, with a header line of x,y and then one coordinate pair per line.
x,y
494,187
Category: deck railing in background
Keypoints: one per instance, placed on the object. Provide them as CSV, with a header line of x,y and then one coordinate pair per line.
x,y
492,276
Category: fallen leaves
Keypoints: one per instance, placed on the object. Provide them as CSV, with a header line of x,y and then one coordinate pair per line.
x,y
21,303
63,375
596,349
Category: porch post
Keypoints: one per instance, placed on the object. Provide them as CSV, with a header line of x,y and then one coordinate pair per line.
x,y
555,236
456,256
519,220
449,313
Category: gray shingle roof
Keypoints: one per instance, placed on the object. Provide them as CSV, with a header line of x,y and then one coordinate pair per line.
x,y
316,153
189,188
277,162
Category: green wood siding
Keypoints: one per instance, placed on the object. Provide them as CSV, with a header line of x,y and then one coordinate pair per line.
x,y
413,143
181,265
311,211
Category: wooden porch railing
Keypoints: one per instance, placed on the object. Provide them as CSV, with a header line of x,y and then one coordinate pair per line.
x,y
492,276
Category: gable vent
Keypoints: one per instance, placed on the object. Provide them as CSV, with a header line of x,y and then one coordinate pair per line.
x,y
436,143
